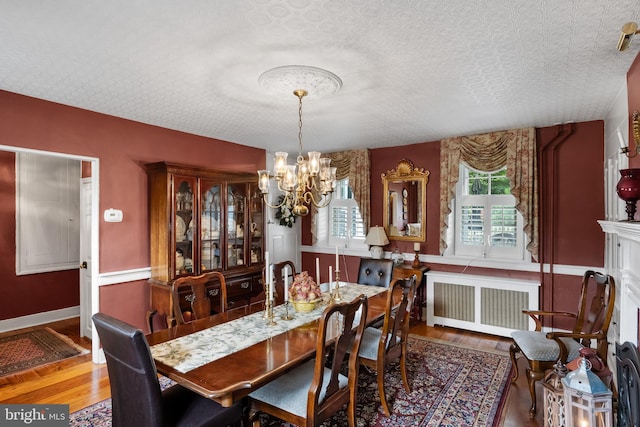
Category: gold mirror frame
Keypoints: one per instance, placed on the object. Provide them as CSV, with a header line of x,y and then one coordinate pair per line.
x,y
412,183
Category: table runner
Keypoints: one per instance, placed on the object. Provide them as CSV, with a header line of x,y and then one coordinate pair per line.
x,y
198,349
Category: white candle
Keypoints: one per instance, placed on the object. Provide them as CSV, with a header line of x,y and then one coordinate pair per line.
x,y
318,270
286,286
267,275
416,246
337,260
330,277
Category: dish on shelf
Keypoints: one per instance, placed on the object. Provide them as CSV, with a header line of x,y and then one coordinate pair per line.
x,y
181,229
210,227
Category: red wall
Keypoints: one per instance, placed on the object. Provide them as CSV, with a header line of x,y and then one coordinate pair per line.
x,y
571,191
123,147
633,96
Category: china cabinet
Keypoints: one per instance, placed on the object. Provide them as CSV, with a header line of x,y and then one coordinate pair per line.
x,y
205,220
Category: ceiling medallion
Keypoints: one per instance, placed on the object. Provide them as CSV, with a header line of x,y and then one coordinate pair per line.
x,y
284,80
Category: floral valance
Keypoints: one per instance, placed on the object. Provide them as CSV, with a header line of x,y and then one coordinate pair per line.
x,y
515,149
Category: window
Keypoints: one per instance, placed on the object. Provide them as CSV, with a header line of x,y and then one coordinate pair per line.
x,y
342,217
487,223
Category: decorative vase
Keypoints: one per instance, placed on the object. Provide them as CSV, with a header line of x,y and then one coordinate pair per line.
x,y
303,306
628,189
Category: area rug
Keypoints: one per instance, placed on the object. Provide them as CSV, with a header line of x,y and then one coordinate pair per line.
x,y
451,385
28,350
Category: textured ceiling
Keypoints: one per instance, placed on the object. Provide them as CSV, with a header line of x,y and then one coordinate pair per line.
x,y
412,71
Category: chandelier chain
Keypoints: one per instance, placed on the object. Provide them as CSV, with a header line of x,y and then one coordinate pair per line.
x,y
300,95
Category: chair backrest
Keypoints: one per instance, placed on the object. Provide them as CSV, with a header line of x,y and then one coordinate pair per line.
x,y
395,328
135,390
595,310
339,335
375,272
281,269
194,290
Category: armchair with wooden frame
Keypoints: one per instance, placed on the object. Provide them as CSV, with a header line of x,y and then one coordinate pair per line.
x,y
314,391
199,297
591,323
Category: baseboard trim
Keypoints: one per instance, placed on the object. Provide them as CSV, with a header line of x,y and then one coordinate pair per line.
x,y
39,318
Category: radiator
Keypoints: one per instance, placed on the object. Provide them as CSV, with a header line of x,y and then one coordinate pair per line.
x,y
480,303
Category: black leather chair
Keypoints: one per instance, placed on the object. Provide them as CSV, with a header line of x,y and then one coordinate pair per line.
x,y
135,390
375,272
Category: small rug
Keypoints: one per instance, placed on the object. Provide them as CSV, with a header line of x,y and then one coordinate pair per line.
x,y
28,350
451,385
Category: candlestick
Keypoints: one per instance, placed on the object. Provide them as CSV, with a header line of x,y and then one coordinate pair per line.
x,y
416,260
335,295
337,260
318,270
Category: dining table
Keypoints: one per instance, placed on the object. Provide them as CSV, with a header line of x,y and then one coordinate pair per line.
x,y
226,356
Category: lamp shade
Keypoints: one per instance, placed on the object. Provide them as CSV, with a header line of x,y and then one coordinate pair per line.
x,y
376,237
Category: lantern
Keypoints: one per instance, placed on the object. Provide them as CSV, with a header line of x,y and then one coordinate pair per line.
x,y
587,399
554,396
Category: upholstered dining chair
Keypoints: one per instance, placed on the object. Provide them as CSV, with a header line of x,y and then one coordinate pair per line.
x,y
193,289
591,322
380,347
375,272
311,393
137,399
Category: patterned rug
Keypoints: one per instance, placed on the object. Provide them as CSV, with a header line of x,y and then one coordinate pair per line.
x,y
451,386
35,348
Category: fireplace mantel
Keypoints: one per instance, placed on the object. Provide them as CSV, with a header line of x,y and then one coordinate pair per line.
x,y
624,229
623,248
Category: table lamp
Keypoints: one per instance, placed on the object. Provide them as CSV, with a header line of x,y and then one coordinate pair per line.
x,y
376,239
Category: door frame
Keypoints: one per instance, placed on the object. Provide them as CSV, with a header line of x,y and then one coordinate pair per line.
x,y
95,232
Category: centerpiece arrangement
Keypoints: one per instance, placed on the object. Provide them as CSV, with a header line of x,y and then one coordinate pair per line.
x,y
304,292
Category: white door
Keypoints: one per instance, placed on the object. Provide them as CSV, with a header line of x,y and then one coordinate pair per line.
x,y
85,258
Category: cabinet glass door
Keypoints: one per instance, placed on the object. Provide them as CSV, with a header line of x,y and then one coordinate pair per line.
x,y
256,219
183,225
236,205
210,226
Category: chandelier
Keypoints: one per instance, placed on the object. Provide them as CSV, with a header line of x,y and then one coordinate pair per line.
x,y
310,181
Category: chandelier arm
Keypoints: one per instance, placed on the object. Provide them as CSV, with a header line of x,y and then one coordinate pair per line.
x,y
308,197
266,202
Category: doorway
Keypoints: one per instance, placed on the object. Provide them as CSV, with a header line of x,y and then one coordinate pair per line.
x,y
89,297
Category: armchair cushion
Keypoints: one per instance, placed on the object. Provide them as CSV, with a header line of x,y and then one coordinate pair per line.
x,y
536,346
290,391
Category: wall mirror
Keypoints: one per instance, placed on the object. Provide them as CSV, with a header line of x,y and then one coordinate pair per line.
x,y
405,202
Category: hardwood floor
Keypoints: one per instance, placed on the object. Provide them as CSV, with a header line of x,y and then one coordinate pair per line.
x,y
80,383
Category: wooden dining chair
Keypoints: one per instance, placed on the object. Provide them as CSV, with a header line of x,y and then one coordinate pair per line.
x,y
136,397
311,393
380,347
590,322
193,290
280,271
